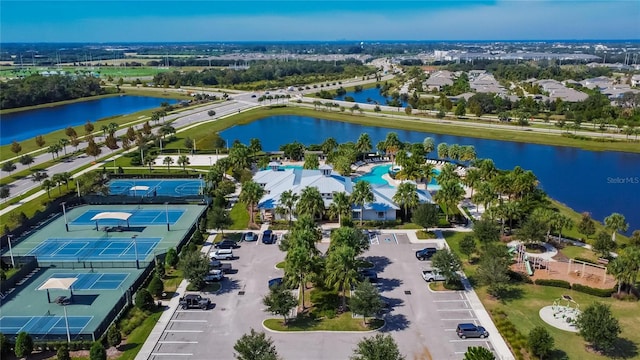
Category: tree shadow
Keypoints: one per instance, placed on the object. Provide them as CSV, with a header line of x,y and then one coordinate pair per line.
x,y
395,322
557,354
387,284
379,262
83,299
228,286
623,349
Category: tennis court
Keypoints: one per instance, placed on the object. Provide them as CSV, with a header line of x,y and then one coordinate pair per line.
x,y
94,249
156,187
139,217
92,281
43,325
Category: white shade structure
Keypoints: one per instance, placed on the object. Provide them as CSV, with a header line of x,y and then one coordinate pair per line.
x,y
111,215
58,283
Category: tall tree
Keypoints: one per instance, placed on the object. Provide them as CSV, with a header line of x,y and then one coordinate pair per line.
x,y
183,160
363,145
168,161
40,141
311,162
218,218
615,223
448,264
195,266
342,270
379,347
88,128
406,196
428,144
255,346
450,194
280,301
365,300
598,326
586,226
288,200
361,195
16,148
93,149
540,342
472,178
340,206
310,203
251,194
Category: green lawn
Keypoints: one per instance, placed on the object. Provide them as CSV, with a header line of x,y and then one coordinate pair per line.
x,y
575,217
523,309
136,339
343,322
240,216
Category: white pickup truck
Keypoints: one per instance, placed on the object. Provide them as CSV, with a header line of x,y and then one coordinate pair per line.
x,y
432,275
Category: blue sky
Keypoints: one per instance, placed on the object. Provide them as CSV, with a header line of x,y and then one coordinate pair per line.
x,y
240,20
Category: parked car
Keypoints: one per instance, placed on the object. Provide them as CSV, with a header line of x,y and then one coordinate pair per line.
x,y
368,274
432,275
226,244
214,275
468,330
275,282
425,253
218,265
268,237
194,301
222,254
250,236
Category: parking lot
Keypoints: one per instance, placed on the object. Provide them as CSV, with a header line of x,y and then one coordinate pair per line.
x,y
422,322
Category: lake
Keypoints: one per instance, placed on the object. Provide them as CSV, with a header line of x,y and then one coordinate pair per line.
x,y
597,182
371,94
28,124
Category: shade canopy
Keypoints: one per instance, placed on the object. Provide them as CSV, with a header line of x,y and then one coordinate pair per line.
x,y
112,215
58,283
139,188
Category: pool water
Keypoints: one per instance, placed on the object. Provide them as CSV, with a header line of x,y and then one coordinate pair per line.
x,y
374,177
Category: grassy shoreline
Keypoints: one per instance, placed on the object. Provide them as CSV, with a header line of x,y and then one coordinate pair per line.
x,y
448,128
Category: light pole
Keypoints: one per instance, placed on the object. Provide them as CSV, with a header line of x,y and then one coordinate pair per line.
x,y
135,249
166,212
66,322
210,161
13,264
64,212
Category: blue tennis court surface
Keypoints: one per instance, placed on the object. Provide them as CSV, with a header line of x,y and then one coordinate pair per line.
x,y
157,187
43,325
138,217
99,249
93,281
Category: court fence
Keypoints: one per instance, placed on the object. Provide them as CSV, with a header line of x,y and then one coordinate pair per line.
x,y
25,264
160,199
122,264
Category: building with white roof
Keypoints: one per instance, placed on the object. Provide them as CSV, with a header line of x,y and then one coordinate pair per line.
x,y
277,180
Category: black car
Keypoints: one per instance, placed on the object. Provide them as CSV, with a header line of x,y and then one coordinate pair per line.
x,y
275,282
268,237
468,330
226,244
368,274
425,253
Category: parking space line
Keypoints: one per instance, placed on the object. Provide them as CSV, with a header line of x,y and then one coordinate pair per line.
x,y
184,331
188,321
459,319
171,354
454,310
468,339
177,342
446,301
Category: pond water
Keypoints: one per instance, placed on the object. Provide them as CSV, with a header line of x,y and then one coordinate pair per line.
x,y
597,182
24,125
368,96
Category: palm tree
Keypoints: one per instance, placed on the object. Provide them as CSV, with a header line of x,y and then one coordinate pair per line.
x,y
428,144
364,143
487,168
468,153
57,180
472,178
342,270
450,194
340,206
443,150
616,222
486,195
410,171
619,268
297,266
310,203
63,142
391,145
183,160
48,185
150,159
251,194
168,161
406,196
255,146
362,195
448,173
427,172
329,145
454,152
288,200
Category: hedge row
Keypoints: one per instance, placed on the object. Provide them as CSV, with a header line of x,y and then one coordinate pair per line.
x,y
515,338
577,287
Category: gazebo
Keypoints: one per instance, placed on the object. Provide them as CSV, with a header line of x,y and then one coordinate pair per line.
x,y
111,215
139,188
59,283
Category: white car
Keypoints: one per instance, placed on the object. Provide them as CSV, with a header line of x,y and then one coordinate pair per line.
x,y
432,275
214,275
222,254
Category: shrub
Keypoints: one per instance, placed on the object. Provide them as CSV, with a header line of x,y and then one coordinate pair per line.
x,y
171,258
156,286
519,277
197,238
4,345
593,291
144,300
24,345
554,283
114,338
588,261
97,351
63,352
134,318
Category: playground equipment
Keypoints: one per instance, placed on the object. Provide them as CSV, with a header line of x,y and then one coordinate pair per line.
x,y
566,309
587,270
527,262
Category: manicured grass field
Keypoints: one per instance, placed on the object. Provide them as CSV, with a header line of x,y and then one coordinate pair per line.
x,y
343,322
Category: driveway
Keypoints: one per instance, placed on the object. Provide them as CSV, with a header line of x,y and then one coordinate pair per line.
x,y
421,322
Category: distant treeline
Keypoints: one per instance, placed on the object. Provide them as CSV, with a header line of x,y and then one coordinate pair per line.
x,y
543,69
38,89
277,73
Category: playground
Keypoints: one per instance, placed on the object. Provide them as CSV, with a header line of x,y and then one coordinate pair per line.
x,y
544,266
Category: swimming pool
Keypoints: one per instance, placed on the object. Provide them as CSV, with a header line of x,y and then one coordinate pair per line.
x,y
375,176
